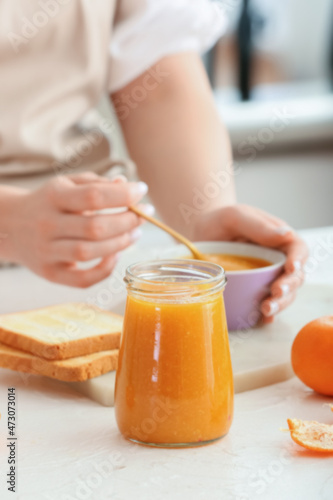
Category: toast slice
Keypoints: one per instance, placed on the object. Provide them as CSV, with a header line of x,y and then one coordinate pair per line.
x,y
68,370
62,331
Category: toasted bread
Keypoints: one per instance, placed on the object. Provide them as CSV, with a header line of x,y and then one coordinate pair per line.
x,y
62,331
68,370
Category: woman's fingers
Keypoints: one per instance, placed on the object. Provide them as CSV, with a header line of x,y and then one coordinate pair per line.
x,y
267,319
297,254
97,227
284,288
253,225
92,196
120,178
267,230
87,178
82,250
272,306
70,275
287,283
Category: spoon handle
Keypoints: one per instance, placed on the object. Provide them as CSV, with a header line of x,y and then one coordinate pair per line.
x,y
195,252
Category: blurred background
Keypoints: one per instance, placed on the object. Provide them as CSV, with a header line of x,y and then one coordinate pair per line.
x,y
272,75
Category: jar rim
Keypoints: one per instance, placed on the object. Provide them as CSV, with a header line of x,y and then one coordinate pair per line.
x,y
175,277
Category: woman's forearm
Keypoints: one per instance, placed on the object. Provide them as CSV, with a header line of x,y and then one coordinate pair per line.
x,y
178,142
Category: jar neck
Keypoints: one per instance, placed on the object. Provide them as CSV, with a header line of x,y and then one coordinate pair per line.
x,y
174,280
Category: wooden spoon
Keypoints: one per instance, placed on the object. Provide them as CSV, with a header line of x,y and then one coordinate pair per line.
x,y
193,249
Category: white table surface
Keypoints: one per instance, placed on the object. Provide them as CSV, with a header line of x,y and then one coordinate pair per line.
x,y
69,446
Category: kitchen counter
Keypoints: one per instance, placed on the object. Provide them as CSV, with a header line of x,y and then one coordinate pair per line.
x,y
68,447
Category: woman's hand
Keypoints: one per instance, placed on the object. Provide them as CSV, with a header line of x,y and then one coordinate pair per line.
x,y
248,224
49,230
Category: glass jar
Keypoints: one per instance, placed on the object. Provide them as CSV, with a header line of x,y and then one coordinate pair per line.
x,y
174,384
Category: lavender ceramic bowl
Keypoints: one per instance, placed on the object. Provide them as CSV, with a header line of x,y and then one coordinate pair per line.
x,y
245,289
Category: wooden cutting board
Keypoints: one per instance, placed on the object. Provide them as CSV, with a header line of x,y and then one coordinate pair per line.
x,y
260,356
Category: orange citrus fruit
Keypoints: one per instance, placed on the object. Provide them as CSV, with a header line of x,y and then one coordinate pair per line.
x,y
312,435
312,355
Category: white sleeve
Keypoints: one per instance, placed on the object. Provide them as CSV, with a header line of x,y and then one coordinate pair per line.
x,y
147,30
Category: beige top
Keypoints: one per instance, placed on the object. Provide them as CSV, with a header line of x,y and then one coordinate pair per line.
x,y
58,57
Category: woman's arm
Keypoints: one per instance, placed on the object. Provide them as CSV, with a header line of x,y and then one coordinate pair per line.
x,y
177,140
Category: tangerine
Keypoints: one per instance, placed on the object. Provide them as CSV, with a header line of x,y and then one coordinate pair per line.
x,y
312,355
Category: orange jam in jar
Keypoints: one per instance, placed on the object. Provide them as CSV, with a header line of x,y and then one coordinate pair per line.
x,y
174,384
